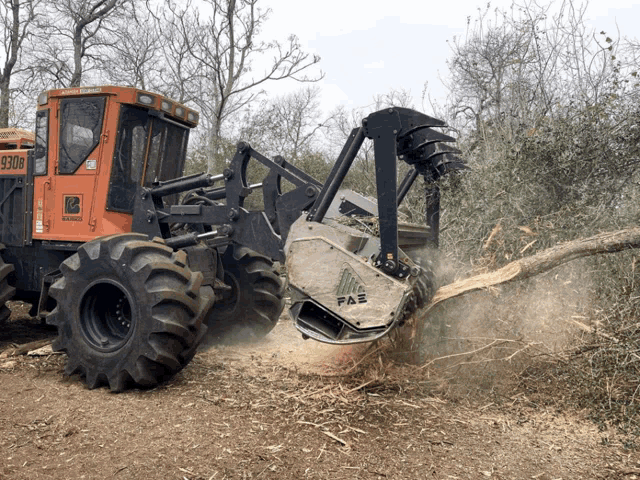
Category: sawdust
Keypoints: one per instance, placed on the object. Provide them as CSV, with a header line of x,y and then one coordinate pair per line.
x,y
290,409
286,346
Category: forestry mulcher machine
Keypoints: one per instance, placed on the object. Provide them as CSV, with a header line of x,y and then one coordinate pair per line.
x,y
133,262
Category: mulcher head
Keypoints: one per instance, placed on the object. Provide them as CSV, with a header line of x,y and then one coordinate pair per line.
x,y
349,286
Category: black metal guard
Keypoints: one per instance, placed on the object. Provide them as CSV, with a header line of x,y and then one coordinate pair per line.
x,y
406,184
383,127
337,174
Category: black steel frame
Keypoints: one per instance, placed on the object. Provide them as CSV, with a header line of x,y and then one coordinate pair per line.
x,y
395,132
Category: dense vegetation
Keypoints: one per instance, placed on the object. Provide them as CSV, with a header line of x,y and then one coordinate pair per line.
x,y
549,118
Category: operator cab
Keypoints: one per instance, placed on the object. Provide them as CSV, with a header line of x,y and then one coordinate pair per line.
x,y
94,147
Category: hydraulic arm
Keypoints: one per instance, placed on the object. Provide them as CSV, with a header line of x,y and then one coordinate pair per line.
x,y
283,229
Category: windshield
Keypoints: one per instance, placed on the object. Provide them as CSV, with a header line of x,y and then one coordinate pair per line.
x,y
167,151
141,136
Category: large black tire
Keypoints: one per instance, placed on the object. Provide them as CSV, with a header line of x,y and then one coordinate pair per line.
x,y
6,290
252,307
129,311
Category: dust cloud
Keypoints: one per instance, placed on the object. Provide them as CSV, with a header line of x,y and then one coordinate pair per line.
x,y
501,326
511,323
285,347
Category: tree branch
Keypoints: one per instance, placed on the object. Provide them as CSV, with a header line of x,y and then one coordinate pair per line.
x,y
607,242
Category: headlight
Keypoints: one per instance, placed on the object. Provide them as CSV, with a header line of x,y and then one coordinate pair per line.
x,y
146,99
192,117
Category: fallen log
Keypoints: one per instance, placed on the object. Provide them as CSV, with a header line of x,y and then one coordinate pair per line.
x,y
608,242
27,347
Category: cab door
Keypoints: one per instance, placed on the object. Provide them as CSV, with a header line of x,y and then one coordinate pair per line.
x,y
63,208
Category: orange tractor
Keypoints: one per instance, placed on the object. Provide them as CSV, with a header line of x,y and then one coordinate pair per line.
x,y
134,263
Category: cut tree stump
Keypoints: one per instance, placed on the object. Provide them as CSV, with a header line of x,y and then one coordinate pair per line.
x,y
608,242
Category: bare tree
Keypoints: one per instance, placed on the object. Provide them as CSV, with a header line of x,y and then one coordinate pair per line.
x,y
288,125
181,75
514,68
488,70
74,39
16,20
293,126
225,45
136,58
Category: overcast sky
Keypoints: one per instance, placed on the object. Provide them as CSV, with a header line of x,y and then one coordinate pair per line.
x,y
370,46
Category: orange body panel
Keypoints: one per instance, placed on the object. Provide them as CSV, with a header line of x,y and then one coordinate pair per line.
x,y
13,162
13,150
72,207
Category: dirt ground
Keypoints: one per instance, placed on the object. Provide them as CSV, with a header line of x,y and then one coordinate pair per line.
x,y
289,409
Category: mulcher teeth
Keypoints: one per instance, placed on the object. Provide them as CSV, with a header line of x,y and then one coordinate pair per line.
x,y
427,149
417,143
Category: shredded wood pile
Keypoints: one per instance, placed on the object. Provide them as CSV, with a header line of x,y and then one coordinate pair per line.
x,y
369,225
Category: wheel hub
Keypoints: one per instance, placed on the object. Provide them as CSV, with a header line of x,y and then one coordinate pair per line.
x,y
230,297
106,316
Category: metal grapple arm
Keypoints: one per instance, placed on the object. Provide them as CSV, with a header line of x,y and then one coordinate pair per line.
x,y
396,133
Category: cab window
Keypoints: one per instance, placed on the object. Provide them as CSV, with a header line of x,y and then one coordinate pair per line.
x,y
41,154
141,136
167,151
80,129
128,158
